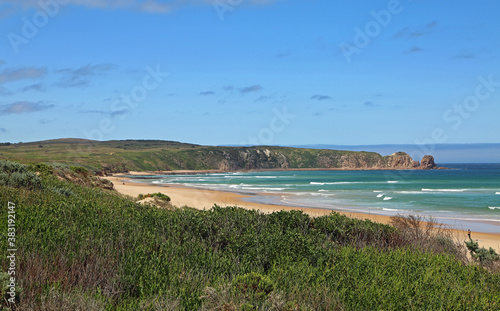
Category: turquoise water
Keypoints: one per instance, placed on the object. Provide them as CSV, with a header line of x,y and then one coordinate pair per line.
x,y
465,196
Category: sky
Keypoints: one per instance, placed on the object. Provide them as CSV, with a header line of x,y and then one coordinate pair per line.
x,y
254,72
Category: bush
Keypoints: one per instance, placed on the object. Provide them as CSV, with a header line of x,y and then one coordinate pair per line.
x,y
161,196
11,167
482,255
61,190
253,286
43,169
80,170
18,175
427,235
157,195
5,297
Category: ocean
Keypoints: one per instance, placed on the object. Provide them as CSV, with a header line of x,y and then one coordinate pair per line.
x,y
463,196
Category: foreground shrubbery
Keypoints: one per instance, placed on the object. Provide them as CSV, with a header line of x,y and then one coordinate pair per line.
x,y
88,249
18,175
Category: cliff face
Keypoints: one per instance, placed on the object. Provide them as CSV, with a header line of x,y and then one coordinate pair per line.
x,y
248,158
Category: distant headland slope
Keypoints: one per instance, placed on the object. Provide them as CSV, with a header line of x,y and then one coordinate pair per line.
x,y
158,155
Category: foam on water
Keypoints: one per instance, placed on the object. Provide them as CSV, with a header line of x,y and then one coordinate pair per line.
x,y
443,190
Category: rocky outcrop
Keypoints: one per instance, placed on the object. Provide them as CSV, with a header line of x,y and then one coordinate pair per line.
x,y
401,160
427,163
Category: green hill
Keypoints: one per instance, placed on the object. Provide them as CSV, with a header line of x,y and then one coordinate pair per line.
x,y
157,155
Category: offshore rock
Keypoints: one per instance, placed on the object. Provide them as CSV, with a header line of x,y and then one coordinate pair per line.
x,y
427,163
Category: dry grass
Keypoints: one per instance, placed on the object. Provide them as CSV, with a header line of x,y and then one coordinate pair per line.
x,y
61,301
428,235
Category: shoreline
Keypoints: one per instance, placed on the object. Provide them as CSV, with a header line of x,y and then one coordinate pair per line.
x,y
215,171
205,199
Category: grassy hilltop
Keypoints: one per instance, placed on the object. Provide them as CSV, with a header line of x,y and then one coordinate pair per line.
x,y
157,155
82,247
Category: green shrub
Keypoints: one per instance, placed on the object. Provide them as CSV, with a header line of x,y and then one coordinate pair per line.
x,y
43,169
161,196
5,290
18,175
80,170
253,286
61,190
12,167
482,255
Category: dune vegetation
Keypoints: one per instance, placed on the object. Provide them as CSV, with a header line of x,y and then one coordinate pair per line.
x,y
82,246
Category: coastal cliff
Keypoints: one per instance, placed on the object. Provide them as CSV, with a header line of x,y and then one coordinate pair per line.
x,y
232,159
157,155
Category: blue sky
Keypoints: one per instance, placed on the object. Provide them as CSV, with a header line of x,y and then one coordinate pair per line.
x,y
251,71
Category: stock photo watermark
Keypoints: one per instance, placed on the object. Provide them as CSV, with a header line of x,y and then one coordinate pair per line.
x,y
127,102
47,9
455,116
11,252
277,124
363,36
121,107
222,7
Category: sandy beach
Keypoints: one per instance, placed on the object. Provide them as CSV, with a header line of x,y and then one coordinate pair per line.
x,y
205,199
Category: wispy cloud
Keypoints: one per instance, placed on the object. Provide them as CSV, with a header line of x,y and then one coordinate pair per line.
x,y
121,112
262,99
3,130
415,32
282,54
21,107
46,121
250,89
413,49
81,76
23,73
464,55
228,88
370,104
114,113
320,97
206,93
152,6
148,6
5,91
34,87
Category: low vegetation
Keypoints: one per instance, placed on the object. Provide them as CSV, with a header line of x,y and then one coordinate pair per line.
x,y
158,199
88,248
